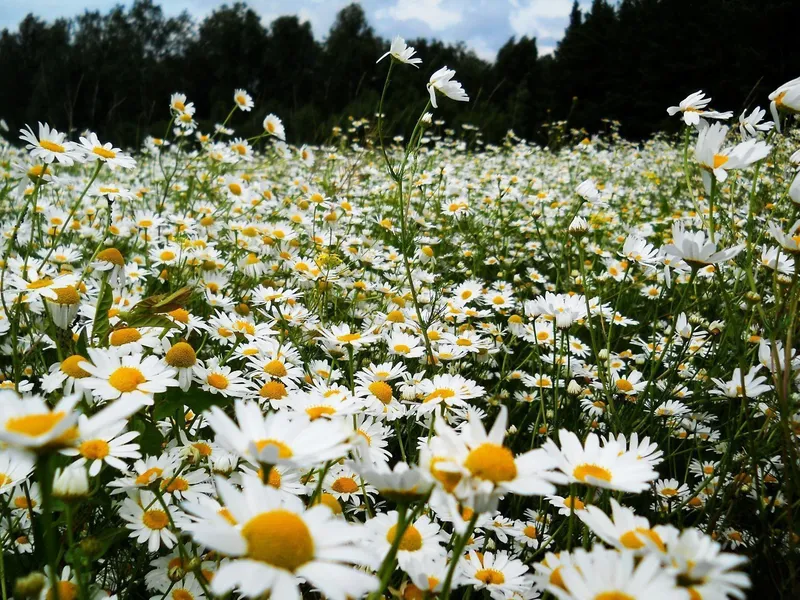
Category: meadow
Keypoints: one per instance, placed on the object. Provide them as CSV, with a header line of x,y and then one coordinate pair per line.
x,y
417,368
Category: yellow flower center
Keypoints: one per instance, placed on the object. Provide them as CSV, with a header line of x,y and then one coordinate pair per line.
x,y
283,450
348,337
448,479
623,385
719,160
279,538
94,449
120,337
614,595
182,594
67,295
345,485
381,390
39,283
530,531
630,539
274,390
402,349
66,591
149,476
70,366
175,484
315,412
126,379
443,393
34,425
585,470
217,380
275,368
180,314
155,519
492,462
235,188
111,255
331,502
52,146
395,317
181,356
104,153
411,541
490,577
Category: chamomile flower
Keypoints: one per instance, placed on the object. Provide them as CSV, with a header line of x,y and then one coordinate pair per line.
x,y
132,378
274,543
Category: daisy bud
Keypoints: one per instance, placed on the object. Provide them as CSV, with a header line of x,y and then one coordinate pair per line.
x,y
603,354
71,484
65,306
574,387
578,227
29,586
91,547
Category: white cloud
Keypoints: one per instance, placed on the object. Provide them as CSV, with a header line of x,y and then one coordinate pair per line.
x,y
542,18
482,49
429,12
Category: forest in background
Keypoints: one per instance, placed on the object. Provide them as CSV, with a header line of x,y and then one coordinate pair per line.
x,y
628,61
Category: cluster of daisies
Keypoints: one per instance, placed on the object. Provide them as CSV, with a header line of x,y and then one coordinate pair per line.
x,y
237,368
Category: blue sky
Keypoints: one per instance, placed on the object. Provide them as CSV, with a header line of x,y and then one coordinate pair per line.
x,y
484,25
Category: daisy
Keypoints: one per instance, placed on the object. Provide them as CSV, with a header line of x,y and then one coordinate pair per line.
x,y
100,442
182,358
747,386
243,100
132,378
606,573
496,572
624,531
693,107
343,483
421,538
15,467
697,251
716,161
66,375
610,466
482,468
148,520
27,422
401,52
274,543
400,483
341,335
50,145
274,127
750,124
221,380
706,571
786,97
277,438
448,390
94,150
443,82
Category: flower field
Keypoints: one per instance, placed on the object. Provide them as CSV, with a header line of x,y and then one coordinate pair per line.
x,y
413,368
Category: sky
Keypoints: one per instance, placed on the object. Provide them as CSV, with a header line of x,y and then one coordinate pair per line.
x,y
483,25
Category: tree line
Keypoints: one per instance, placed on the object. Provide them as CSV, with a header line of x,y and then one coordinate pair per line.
x,y
624,61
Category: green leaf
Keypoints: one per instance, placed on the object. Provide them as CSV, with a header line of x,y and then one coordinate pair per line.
x,y
101,327
197,400
145,320
163,303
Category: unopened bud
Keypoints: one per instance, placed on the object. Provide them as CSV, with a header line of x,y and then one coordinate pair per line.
x,y
71,484
30,586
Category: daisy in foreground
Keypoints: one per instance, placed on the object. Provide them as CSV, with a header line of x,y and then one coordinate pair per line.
x,y
132,377
610,466
275,545
277,438
609,575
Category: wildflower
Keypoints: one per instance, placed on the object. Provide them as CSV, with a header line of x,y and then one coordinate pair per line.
x,y
133,378
693,108
401,52
50,146
243,100
695,250
786,98
442,81
608,466
26,422
274,127
717,161
94,150
750,124
274,543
